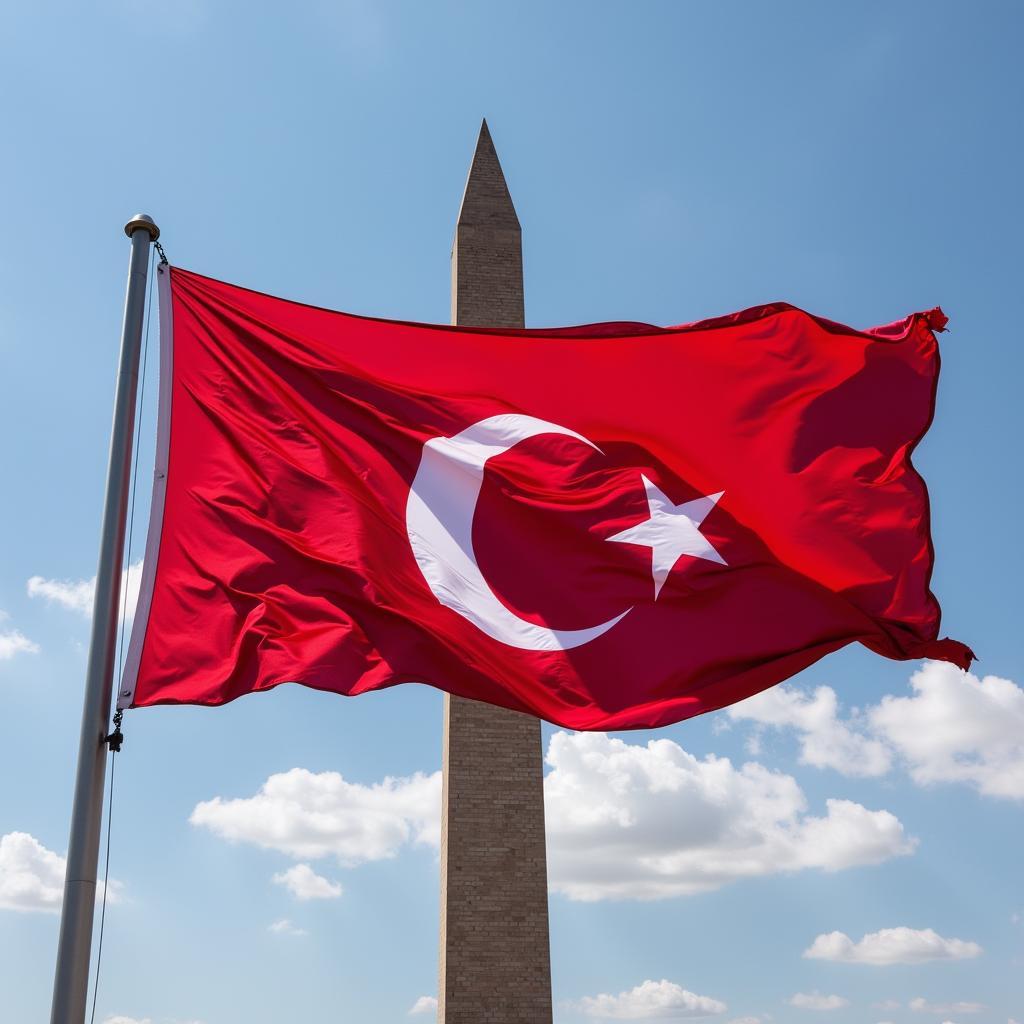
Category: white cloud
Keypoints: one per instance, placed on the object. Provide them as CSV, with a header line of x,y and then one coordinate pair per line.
x,y
311,815
816,1001
825,741
650,1000
285,927
891,946
958,728
627,821
923,1006
120,1019
77,595
32,877
425,1004
74,594
745,1020
13,641
305,884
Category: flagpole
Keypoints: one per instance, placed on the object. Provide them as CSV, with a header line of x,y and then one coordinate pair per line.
x,y
71,978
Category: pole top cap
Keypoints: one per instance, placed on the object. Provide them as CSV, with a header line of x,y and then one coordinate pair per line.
x,y
144,221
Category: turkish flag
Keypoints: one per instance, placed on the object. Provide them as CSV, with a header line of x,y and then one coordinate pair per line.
x,y
610,527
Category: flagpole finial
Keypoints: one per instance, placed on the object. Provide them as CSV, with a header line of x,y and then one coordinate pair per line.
x,y
142,220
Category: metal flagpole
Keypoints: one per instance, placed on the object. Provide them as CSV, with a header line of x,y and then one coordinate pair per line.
x,y
71,979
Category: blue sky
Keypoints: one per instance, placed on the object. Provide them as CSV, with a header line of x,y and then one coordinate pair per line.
x,y
669,161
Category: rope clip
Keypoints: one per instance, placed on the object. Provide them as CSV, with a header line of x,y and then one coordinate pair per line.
x,y
116,738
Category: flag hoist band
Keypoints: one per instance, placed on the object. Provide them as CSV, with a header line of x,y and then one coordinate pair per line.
x,y
609,527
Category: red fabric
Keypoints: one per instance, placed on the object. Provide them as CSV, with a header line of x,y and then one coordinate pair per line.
x,y
296,433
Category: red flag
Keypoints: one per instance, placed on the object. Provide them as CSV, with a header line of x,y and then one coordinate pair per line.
x,y
610,527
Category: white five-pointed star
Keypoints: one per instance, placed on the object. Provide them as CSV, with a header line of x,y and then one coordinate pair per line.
x,y
671,531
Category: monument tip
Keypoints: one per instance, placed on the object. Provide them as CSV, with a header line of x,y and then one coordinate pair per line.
x,y
486,199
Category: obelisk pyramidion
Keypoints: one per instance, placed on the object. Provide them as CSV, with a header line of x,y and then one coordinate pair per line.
x,y
495,959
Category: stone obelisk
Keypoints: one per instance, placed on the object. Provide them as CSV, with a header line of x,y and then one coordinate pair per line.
x,y
495,960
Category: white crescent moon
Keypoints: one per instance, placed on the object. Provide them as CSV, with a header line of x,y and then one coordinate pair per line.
x,y
439,522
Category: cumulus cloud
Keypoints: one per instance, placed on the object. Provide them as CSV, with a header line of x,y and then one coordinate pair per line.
x,y
625,821
311,815
745,1020
923,1006
285,927
120,1019
74,594
891,946
825,741
817,1001
32,877
305,884
425,1004
958,728
630,821
13,641
650,1000
77,595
